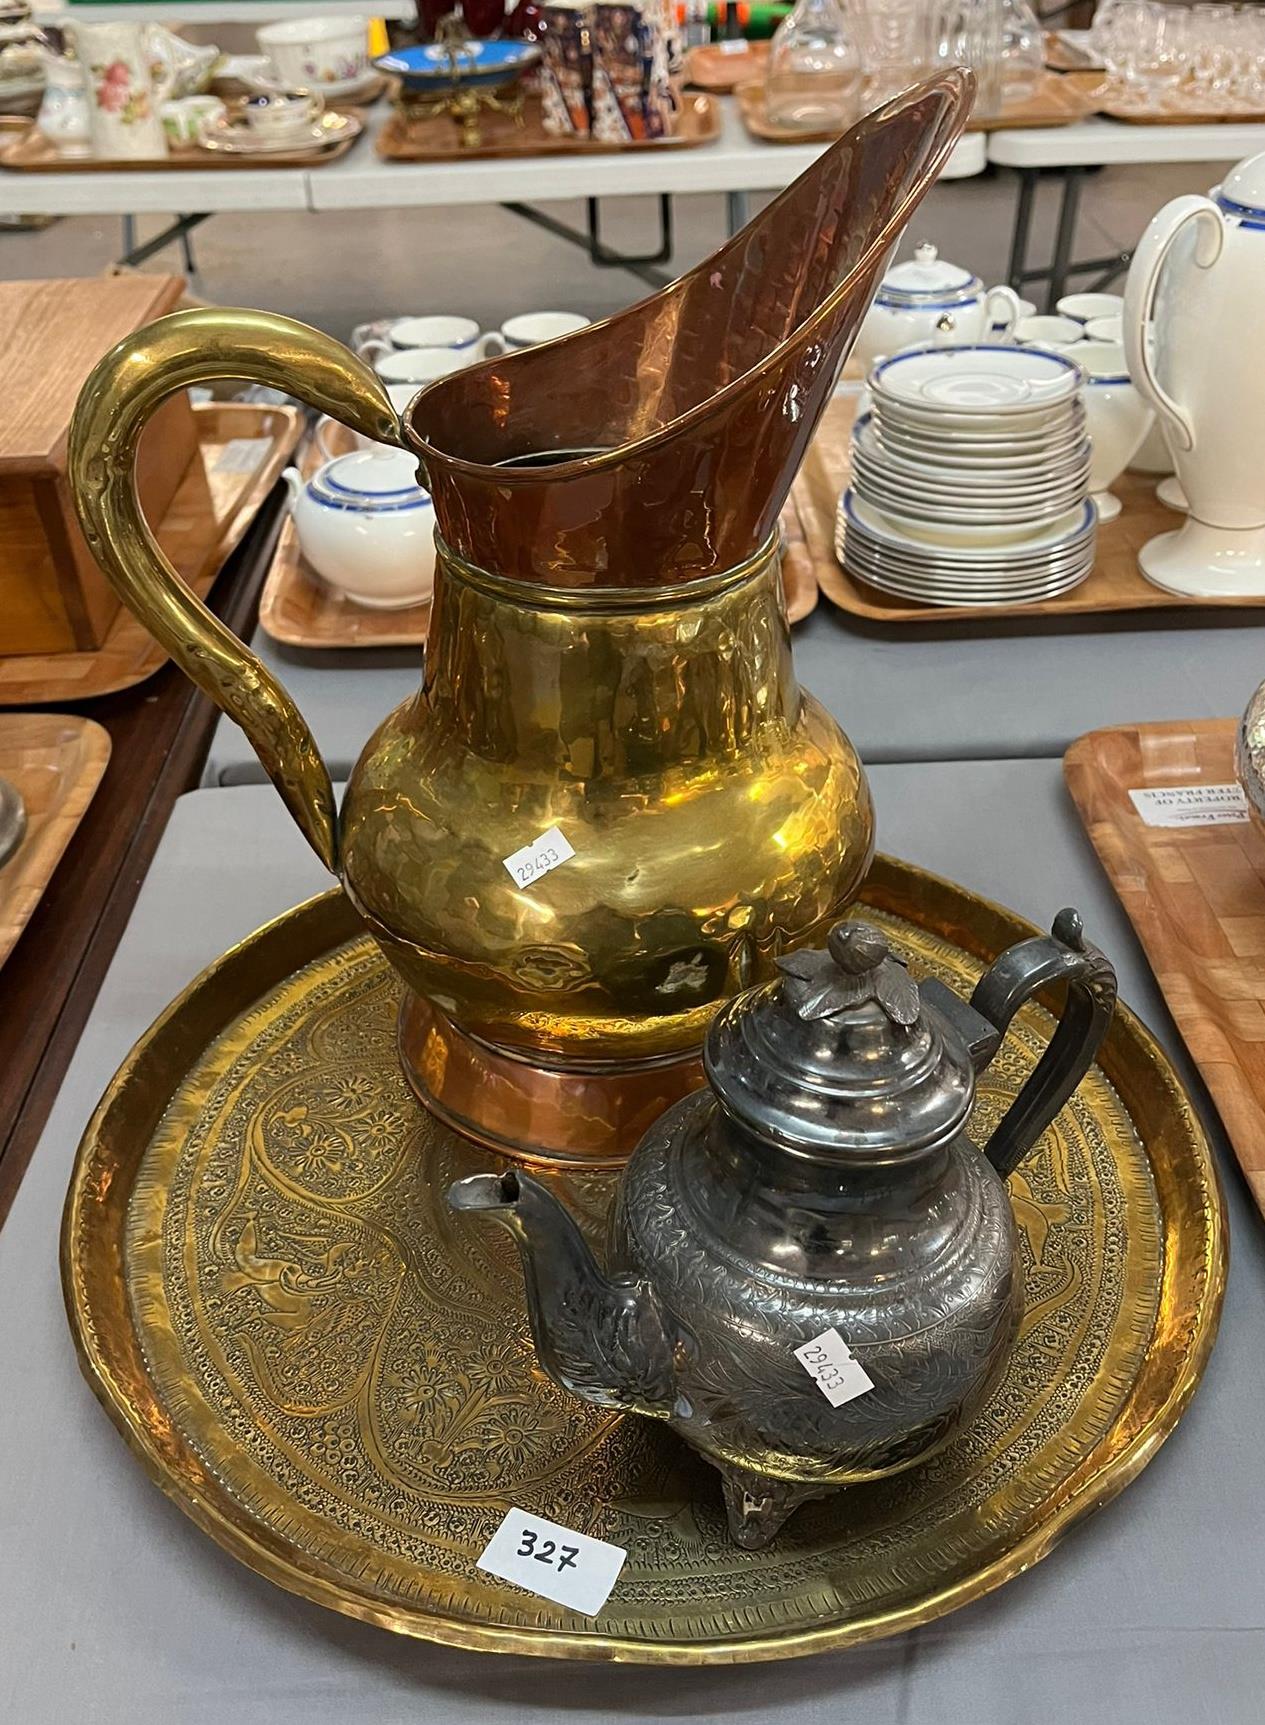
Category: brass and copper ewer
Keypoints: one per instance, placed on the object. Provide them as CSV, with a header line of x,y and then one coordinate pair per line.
x,y
608,656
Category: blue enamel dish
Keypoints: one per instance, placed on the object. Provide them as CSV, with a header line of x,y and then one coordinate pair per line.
x,y
428,66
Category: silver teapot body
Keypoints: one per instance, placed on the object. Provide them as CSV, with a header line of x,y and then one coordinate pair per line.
x,y
918,1268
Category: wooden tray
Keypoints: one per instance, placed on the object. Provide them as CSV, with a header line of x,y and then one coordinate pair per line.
x,y
211,510
1114,584
1055,102
55,762
721,66
336,1383
1106,98
298,609
1064,56
1196,897
29,152
410,138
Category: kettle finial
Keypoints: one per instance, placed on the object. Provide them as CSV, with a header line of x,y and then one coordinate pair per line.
x,y
856,967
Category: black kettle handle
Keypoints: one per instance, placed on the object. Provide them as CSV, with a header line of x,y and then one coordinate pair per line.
x,y
1022,971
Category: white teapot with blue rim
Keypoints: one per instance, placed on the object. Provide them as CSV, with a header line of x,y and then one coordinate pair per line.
x,y
367,527
1197,280
927,299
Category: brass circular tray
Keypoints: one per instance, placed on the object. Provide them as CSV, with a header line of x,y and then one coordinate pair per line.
x,y
331,1373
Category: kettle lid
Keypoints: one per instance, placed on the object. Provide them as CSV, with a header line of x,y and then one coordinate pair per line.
x,y
926,276
1243,189
370,480
842,1059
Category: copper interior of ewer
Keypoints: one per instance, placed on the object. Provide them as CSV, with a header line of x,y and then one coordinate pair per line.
x,y
699,401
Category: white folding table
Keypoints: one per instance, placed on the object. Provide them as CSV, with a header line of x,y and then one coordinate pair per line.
x,y
735,164
1095,143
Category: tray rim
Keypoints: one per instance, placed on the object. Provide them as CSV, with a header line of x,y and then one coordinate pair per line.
x,y
34,863
891,885
183,161
1081,760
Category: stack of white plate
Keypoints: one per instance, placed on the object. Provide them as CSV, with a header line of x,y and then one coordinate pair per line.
x,y
969,478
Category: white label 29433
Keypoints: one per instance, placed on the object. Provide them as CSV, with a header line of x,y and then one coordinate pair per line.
x,y
536,859
828,1359
570,1568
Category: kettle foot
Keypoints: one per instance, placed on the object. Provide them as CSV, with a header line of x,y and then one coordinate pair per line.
x,y
758,1505
531,1112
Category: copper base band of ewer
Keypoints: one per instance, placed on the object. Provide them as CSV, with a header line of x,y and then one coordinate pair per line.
x,y
608,689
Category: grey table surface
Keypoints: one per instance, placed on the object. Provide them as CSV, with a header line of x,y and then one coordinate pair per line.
x,y
932,692
114,1609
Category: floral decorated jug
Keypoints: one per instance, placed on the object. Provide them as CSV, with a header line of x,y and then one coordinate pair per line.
x,y
127,85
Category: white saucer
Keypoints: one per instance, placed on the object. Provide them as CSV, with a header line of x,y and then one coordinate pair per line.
x,y
977,379
988,523
233,137
974,469
983,493
939,442
1062,533
349,89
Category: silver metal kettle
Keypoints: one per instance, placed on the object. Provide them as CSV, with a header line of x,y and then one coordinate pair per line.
x,y
813,1273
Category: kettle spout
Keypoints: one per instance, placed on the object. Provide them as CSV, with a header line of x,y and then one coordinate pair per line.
x,y
601,1337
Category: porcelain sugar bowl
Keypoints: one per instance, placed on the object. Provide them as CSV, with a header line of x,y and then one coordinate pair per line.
x,y
813,1273
367,527
927,299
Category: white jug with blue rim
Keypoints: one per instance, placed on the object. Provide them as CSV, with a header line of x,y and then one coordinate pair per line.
x,y
1192,319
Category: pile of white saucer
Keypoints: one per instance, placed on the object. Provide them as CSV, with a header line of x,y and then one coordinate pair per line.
x,y
969,478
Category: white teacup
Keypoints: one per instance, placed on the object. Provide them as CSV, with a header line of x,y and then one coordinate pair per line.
x,y
1056,332
1117,419
1083,306
459,335
530,328
418,365
315,52
401,394
277,113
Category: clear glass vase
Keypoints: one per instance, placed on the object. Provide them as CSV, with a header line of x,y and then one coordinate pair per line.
x,y
814,78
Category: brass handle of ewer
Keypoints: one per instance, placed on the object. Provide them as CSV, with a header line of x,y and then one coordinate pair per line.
x,y
124,389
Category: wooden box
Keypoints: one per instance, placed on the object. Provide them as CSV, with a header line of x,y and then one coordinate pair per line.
x,y
53,596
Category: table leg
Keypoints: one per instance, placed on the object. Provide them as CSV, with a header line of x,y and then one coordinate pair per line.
x,y
1021,274
642,268
1017,271
736,216
1066,235
186,251
607,259
178,230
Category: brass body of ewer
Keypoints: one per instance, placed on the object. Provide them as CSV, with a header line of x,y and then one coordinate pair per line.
x,y
608,655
